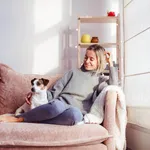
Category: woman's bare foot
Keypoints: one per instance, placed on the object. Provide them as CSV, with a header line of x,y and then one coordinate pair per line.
x,y
4,118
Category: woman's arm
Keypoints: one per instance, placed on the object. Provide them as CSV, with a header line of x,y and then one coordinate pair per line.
x,y
113,71
104,81
113,76
58,87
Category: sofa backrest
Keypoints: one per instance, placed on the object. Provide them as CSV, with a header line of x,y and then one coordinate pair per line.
x,y
14,86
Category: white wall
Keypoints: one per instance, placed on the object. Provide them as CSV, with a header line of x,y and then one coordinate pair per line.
x,y
35,33
137,62
31,38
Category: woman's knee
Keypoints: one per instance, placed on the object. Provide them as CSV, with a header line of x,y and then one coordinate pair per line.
x,y
55,106
76,115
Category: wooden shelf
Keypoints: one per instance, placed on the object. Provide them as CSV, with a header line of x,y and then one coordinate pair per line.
x,y
102,19
105,45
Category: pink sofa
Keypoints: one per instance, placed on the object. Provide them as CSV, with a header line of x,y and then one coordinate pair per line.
x,y
13,88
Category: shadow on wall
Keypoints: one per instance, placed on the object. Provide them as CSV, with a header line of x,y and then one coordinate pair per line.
x,y
70,50
32,31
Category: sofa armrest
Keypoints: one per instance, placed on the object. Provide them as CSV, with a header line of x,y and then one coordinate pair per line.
x,y
14,86
109,117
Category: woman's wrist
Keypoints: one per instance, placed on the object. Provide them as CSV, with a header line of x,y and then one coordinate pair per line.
x,y
110,64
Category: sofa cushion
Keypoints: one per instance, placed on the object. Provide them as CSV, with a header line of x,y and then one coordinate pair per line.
x,y
14,86
99,146
50,135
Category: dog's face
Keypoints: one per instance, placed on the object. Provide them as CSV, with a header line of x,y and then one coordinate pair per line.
x,y
38,85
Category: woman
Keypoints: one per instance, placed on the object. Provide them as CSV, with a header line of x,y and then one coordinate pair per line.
x,y
73,95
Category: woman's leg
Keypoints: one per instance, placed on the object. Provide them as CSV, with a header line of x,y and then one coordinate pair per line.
x,y
71,116
44,112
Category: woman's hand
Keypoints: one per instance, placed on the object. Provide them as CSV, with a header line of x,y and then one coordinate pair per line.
x,y
28,98
108,58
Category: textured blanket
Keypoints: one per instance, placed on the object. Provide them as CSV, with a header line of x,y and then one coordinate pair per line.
x,y
96,114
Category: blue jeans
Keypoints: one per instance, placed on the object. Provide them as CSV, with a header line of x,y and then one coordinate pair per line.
x,y
55,112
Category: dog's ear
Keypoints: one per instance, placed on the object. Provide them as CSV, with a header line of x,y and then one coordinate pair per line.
x,y
33,81
45,81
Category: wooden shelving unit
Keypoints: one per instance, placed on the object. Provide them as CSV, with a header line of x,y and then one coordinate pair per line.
x,y
101,19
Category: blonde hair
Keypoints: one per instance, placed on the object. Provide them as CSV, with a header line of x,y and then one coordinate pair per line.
x,y
101,57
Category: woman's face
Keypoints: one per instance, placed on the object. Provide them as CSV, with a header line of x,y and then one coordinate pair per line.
x,y
90,60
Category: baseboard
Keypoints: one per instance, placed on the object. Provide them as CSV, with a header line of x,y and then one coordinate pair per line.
x,y
139,128
137,137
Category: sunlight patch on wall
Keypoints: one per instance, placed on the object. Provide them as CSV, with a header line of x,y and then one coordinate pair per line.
x,y
47,13
46,56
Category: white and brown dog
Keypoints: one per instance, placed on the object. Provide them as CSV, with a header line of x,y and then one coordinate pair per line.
x,y
39,96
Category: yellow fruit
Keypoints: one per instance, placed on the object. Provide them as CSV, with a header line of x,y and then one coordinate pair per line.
x,y
85,38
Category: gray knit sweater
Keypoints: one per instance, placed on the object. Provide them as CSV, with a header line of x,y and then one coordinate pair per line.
x,y
80,88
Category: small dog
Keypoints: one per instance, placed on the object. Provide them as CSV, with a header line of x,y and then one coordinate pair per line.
x,y
39,96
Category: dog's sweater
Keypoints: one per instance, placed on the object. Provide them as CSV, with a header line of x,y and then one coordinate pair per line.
x,y
80,87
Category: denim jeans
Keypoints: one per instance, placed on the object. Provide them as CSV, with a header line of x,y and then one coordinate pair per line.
x,y
55,112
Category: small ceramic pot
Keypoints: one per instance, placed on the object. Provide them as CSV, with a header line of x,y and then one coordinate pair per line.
x,y
94,40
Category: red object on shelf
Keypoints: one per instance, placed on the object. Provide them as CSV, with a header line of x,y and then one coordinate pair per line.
x,y
111,13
